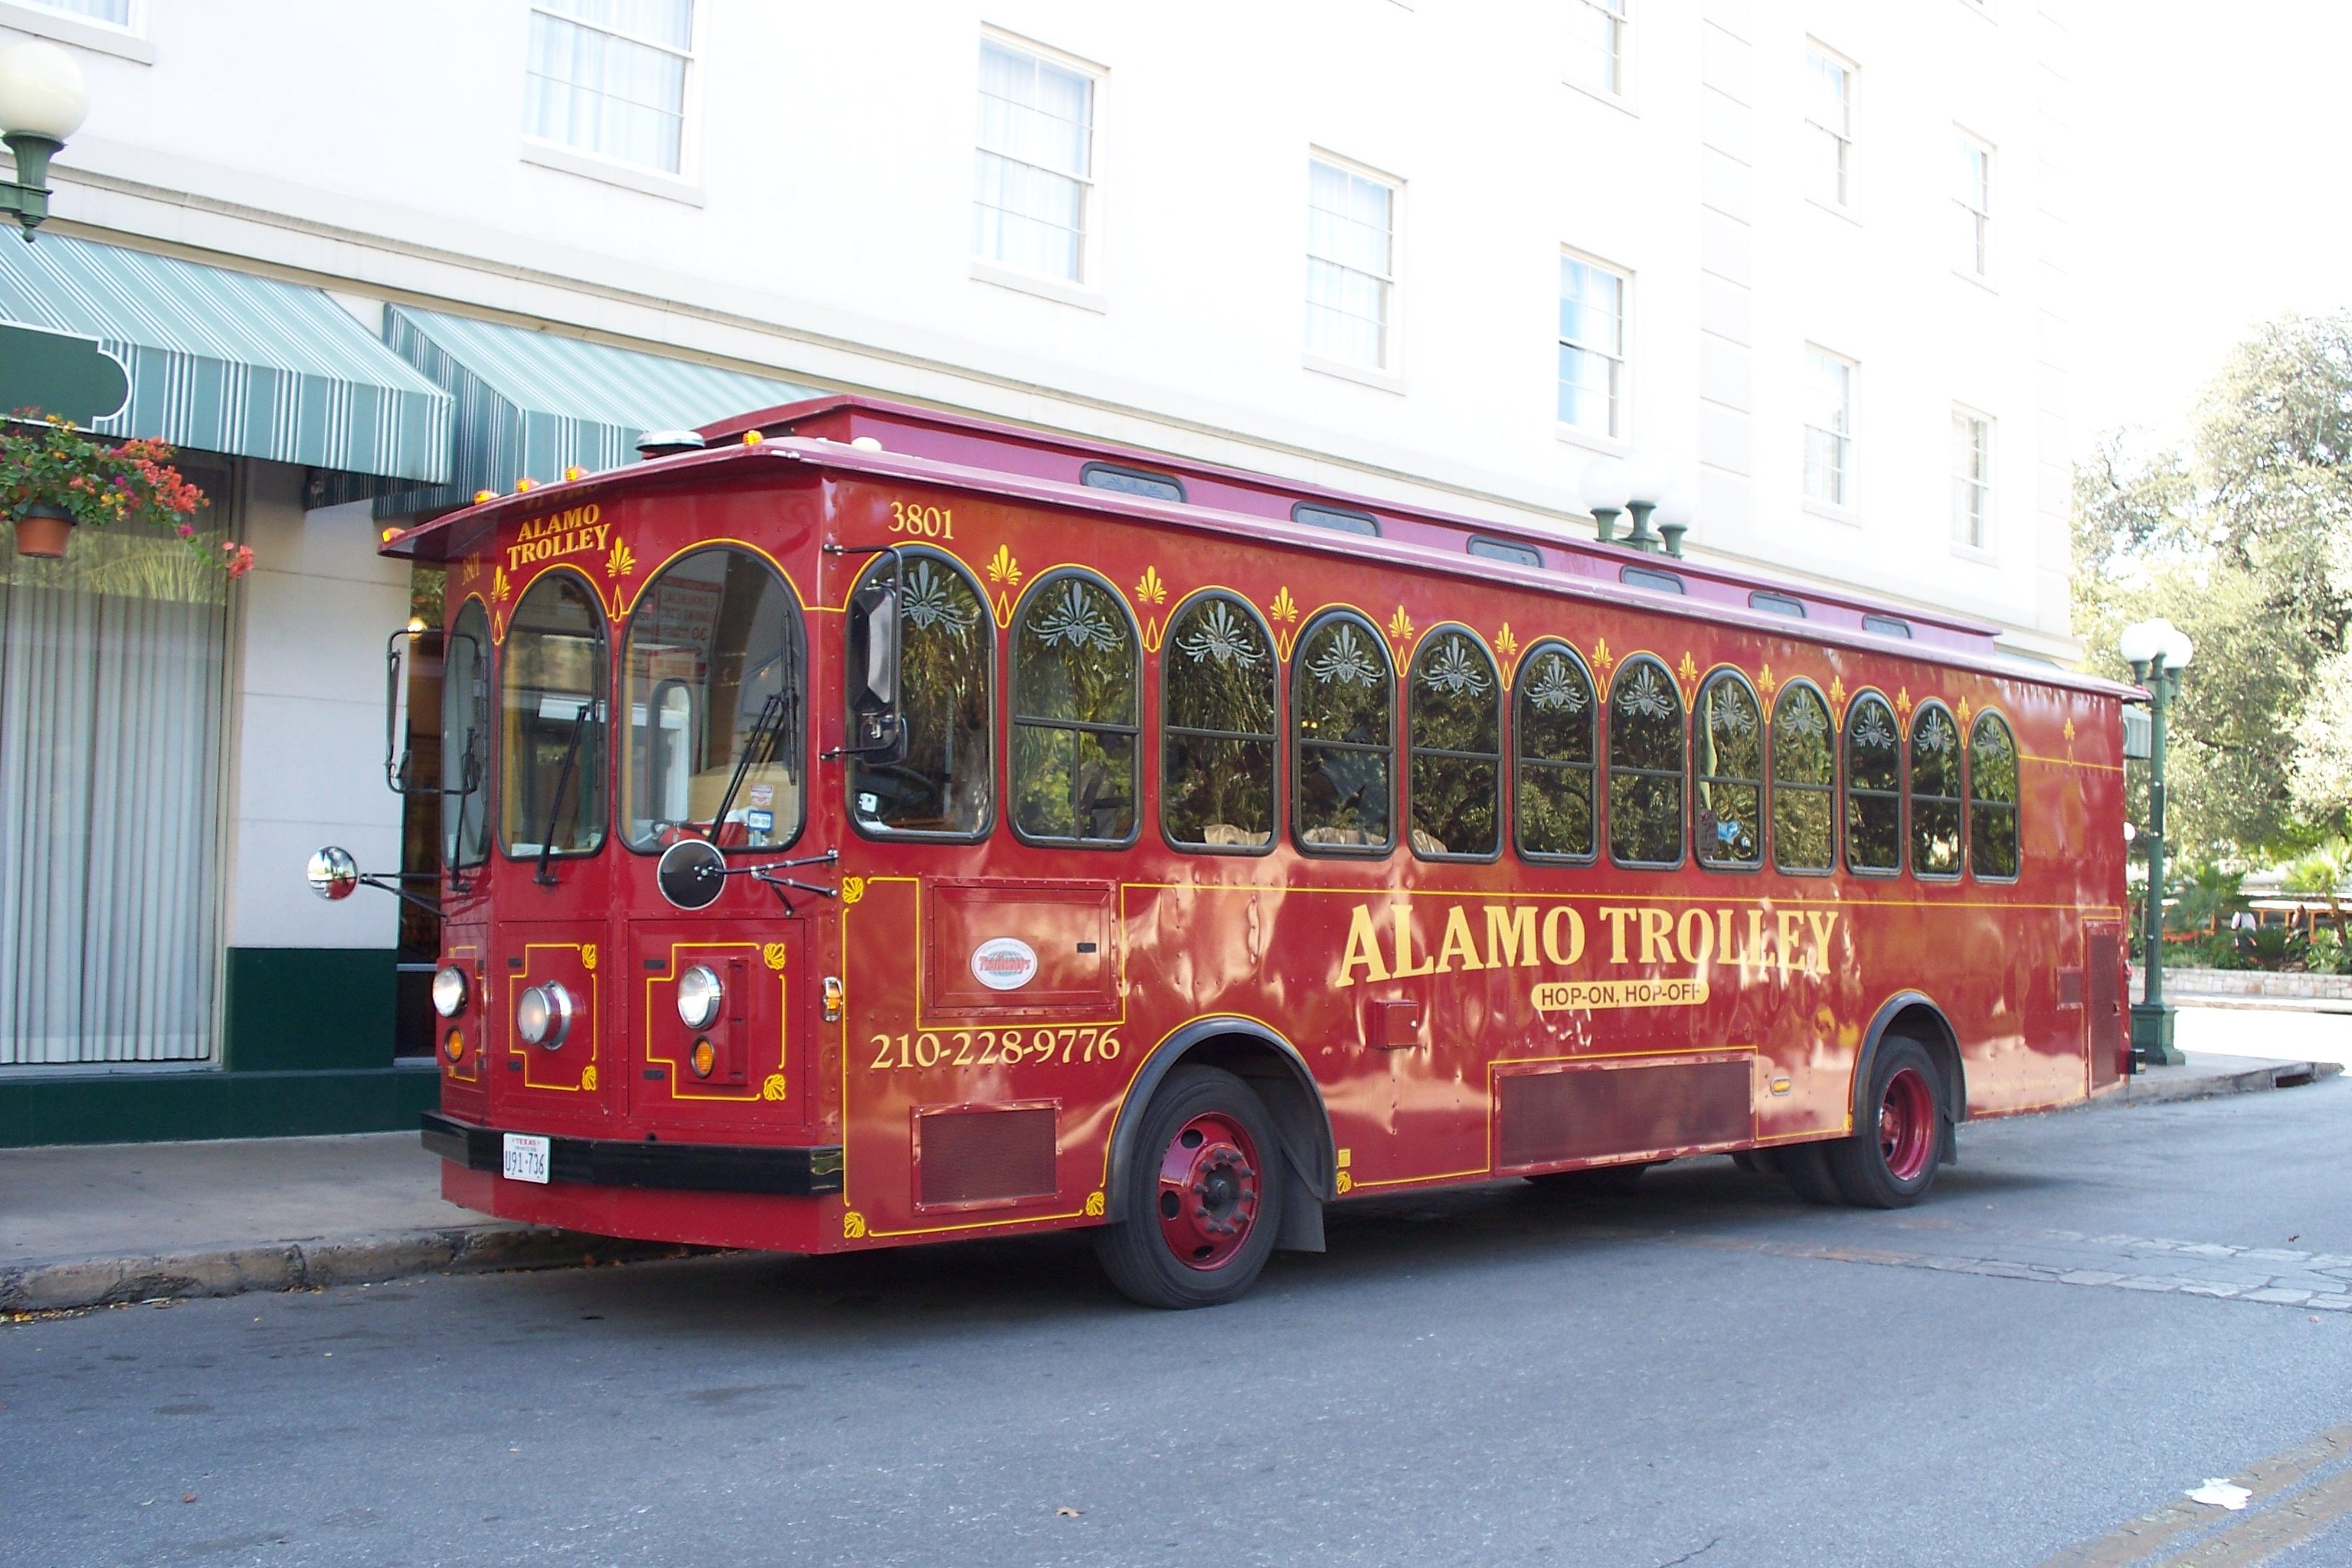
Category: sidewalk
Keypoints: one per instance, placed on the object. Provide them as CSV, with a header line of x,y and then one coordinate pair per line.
x,y
97,1224
100,1225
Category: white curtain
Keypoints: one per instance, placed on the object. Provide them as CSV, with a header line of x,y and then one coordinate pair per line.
x,y
112,675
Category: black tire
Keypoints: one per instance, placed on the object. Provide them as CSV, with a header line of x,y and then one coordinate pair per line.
x,y
1744,1163
1139,1250
1593,1181
1890,1160
1807,1166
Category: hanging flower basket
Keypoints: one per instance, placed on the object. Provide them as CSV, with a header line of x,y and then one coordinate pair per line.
x,y
54,479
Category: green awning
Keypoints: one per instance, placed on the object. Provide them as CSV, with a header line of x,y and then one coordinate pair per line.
x,y
221,361
531,404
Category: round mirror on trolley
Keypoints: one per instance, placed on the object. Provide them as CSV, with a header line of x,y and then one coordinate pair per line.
x,y
691,871
333,873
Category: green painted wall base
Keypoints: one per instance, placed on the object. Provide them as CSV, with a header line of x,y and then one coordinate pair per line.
x,y
306,1037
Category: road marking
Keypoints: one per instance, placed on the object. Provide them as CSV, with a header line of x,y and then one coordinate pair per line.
x,y
2286,1509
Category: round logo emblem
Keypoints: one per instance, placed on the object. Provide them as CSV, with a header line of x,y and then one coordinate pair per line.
x,y
1004,963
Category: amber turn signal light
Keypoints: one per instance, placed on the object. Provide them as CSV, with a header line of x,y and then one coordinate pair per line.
x,y
454,1047
703,1059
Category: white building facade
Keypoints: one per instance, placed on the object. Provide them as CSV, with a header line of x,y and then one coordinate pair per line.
x,y
1809,257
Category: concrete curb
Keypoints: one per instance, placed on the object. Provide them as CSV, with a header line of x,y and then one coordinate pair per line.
x,y
2154,1089
70,1284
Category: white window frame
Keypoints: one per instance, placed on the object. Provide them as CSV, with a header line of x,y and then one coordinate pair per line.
x,y
1087,293
1620,436
131,41
684,185
1974,208
1817,54
1840,506
1980,487
1619,12
1388,374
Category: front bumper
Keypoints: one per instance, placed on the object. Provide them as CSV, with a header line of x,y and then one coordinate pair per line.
x,y
800,1172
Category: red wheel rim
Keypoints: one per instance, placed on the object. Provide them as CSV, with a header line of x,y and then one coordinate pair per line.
x,y
1907,1125
1208,1191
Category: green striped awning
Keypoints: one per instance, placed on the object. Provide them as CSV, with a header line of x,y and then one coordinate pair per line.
x,y
222,362
531,404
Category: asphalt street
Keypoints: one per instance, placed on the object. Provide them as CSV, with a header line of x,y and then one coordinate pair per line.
x,y
2092,1313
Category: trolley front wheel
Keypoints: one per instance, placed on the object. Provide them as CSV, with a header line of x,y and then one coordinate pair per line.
x,y
1201,1196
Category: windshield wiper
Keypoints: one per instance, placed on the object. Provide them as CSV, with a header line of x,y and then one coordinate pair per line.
x,y
563,780
767,727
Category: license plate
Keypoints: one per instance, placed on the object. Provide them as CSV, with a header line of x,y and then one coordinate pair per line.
x,y
525,1158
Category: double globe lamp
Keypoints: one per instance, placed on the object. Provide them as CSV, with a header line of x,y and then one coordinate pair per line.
x,y
43,99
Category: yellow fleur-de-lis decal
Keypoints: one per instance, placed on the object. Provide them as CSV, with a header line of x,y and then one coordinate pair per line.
x,y
1765,681
620,563
498,583
1150,589
1284,608
853,1225
2069,730
1903,702
775,954
1095,1204
1964,712
852,889
1504,643
1601,658
1400,625
1002,568
1688,669
588,1077
1837,692
588,958
773,1086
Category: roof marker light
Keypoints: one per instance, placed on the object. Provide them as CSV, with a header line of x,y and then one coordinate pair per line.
x,y
752,438
481,496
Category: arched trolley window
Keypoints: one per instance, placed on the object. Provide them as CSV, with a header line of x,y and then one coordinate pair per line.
x,y
1454,727
1873,787
1993,800
1727,772
551,698
1646,766
1217,741
1077,672
714,680
1343,718
1557,730
466,739
945,785
1935,792
1805,781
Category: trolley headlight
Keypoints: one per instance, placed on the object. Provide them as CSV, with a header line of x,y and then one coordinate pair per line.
x,y
699,993
543,1015
449,991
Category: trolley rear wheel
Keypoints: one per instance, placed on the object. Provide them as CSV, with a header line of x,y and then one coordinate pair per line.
x,y
1890,1160
1200,1197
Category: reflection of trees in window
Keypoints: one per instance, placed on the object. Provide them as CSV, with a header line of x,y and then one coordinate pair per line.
x,y
1645,766
948,650
552,684
1342,696
1073,714
711,641
1555,739
1935,792
1728,762
1217,734
1455,730
1805,781
1992,799
466,739
1873,787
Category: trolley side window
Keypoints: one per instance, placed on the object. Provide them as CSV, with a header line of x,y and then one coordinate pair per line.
x,y
1993,800
712,682
1217,728
552,746
945,783
1343,696
1646,766
466,739
1935,792
1554,727
1804,781
1728,761
1874,788
1075,675
1455,728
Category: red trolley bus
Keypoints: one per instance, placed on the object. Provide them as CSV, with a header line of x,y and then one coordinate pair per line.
x,y
863,826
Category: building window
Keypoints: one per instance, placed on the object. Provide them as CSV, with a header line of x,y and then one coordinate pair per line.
x,y
1592,347
1350,264
1972,479
1596,45
608,77
1034,180
1972,205
1829,427
115,12
1455,730
1828,128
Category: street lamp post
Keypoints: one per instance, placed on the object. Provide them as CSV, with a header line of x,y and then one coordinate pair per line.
x,y
42,100
2157,653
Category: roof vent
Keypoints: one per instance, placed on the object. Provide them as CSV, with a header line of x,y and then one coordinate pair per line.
x,y
667,442
866,443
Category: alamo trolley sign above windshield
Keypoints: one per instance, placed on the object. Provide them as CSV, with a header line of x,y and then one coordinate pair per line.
x,y
874,826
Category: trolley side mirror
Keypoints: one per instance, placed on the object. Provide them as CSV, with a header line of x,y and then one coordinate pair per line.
x,y
877,729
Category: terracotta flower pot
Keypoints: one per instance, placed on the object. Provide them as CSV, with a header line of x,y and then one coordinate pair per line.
x,y
42,532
